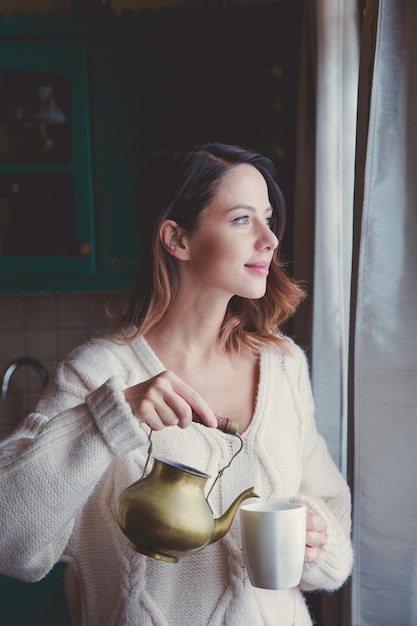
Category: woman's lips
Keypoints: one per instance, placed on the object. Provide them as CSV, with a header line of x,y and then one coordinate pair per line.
x,y
259,268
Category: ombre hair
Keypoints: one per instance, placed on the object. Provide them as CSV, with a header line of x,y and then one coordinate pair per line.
x,y
178,186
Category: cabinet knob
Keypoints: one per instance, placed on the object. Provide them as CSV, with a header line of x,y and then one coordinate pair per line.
x,y
83,248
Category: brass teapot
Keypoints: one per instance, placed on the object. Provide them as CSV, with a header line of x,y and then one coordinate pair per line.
x,y
166,514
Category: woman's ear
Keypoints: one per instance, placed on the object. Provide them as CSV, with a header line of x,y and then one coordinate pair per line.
x,y
174,240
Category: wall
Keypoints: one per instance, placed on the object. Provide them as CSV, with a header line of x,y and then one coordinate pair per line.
x,y
8,7
44,326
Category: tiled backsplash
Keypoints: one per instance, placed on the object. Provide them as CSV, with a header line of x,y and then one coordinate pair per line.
x,y
45,327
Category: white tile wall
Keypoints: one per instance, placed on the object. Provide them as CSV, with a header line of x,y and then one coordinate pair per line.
x,y
46,327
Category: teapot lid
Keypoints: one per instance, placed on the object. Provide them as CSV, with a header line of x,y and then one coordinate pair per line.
x,y
181,466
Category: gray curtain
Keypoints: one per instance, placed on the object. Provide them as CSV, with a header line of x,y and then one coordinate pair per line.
x,y
359,323
323,196
323,218
384,322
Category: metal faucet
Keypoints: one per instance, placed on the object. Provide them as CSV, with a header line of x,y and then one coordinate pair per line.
x,y
25,360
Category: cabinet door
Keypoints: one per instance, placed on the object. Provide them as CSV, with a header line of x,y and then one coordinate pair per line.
x,y
46,191
117,128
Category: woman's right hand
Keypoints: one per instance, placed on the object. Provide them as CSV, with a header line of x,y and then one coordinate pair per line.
x,y
165,400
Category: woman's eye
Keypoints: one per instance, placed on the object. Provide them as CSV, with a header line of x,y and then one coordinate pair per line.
x,y
269,221
242,219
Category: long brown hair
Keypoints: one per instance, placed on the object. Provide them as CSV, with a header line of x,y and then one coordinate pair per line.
x,y
179,185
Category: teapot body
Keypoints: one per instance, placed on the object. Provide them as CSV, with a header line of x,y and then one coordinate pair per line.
x,y
166,515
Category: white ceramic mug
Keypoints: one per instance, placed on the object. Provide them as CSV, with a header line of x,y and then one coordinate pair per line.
x,y
273,540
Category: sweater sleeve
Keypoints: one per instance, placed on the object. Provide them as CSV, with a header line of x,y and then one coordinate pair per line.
x,y
50,465
325,491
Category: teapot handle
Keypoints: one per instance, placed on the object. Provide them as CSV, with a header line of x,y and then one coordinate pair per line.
x,y
220,472
223,423
149,454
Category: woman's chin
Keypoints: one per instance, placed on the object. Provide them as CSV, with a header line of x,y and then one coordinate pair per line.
x,y
254,294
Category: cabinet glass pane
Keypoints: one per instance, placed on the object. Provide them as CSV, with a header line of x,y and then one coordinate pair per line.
x,y
36,214
34,117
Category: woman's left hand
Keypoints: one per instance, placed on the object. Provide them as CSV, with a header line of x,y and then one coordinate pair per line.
x,y
316,528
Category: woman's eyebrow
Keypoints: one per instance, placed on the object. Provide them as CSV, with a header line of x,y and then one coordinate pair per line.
x,y
247,207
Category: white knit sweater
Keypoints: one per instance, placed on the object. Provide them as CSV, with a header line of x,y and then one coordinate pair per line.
x,y
63,469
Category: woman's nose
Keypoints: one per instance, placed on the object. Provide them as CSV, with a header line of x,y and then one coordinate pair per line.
x,y
267,238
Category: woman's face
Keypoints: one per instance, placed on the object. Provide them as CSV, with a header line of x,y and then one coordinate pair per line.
x,y
231,250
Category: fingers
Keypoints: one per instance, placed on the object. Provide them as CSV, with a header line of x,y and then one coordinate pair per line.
x,y
315,536
160,405
311,554
165,400
158,414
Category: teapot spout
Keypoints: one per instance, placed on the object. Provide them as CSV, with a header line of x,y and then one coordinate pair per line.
x,y
222,524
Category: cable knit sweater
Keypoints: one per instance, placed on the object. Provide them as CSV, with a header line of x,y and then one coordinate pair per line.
x,y
63,469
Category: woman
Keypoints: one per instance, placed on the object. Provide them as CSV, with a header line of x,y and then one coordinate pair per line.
x,y
200,334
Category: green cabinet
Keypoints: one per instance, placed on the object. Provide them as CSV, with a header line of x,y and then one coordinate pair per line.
x,y
119,157
46,192
69,158
34,604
